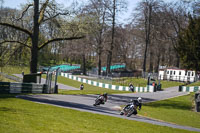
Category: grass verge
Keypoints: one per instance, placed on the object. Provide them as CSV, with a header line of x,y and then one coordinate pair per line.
x,y
168,84
177,110
138,82
21,116
195,84
15,70
3,79
88,89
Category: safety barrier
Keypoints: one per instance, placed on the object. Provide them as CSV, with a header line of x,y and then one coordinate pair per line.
x,y
189,88
108,86
7,87
62,68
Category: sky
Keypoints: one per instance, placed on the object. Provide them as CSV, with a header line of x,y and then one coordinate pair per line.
x,y
122,17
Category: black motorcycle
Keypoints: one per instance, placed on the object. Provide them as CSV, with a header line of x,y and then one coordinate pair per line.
x,y
129,110
100,100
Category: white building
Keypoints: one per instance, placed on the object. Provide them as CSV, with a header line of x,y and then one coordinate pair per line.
x,y
176,74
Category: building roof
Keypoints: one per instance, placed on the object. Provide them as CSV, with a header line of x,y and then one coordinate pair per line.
x,y
174,68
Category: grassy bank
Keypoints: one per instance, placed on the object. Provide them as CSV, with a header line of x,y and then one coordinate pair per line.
x,y
21,116
88,89
15,70
195,84
177,110
3,79
138,82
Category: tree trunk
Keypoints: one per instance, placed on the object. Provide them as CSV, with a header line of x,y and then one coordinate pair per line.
x,y
84,65
151,61
34,49
158,63
147,35
109,58
178,60
99,64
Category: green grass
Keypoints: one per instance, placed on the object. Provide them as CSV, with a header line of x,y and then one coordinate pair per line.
x,y
167,84
138,82
15,70
21,116
88,89
3,79
195,84
176,110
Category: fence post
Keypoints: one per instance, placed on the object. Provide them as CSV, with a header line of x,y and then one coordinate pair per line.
x,y
180,88
197,101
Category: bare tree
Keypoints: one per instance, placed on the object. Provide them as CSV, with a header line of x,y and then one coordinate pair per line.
x,y
98,11
40,16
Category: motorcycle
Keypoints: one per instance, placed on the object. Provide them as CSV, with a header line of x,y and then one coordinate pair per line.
x,y
129,110
100,100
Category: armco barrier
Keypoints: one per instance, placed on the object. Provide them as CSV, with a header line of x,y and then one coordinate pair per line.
x,y
108,86
189,88
7,87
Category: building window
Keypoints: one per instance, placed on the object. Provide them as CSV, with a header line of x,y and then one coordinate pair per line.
x,y
174,72
179,72
170,72
188,73
192,74
167,72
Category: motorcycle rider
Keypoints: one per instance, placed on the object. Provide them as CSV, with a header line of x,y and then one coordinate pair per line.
x,y
103,99
137,102
81,87
131,87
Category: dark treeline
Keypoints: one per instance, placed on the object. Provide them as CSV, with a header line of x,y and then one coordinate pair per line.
x,y
45,33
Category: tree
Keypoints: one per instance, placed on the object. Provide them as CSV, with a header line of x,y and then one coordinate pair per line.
x,y
189,44
115,6
98,12
146,20
176,20
40,16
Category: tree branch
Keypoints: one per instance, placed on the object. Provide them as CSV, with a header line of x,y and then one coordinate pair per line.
x,y
58,39
42,10
23,13
16,42
17,28
55,16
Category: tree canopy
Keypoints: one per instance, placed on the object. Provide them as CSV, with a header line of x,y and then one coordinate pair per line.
x,y
189,44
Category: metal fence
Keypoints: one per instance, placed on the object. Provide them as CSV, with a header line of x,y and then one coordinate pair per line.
x,y
51,80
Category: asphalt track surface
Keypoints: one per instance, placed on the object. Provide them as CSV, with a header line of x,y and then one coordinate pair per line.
x,y
111,108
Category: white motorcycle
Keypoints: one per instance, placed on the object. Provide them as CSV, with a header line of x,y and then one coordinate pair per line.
x,y
129,110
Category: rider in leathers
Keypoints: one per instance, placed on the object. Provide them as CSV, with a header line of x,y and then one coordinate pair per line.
x,y
137,102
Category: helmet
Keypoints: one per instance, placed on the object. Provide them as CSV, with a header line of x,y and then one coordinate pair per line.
x,y
105,94
139,99
131,100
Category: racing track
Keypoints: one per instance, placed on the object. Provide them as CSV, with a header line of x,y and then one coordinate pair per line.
x,y
111,108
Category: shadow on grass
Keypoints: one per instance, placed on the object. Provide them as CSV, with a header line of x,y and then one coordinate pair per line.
x,y
2,96
6,109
